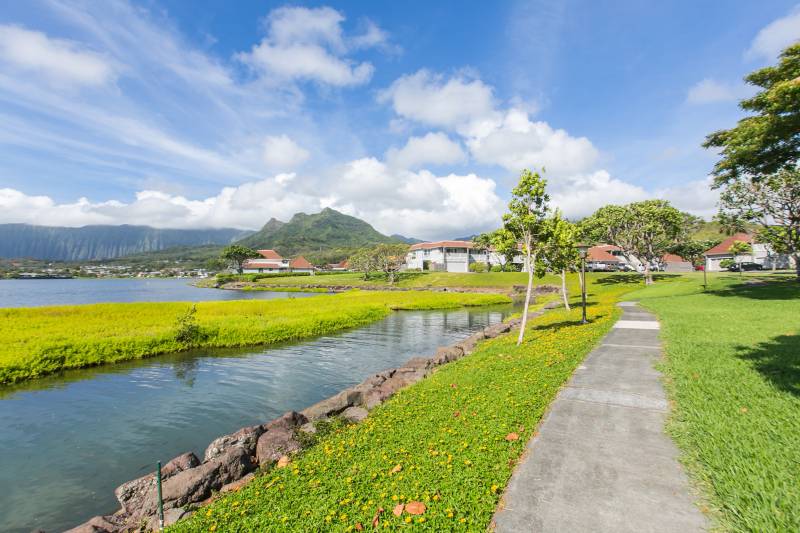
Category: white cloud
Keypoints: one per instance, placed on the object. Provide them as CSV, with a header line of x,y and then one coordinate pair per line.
x,y
710,91
776,36
430,99
433,148
309,44
517,142
58,60
282,153
582,194
696,197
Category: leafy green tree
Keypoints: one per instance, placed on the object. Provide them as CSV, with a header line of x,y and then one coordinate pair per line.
x,y
758,171
363,260
739,248
482,244
645,230
692,250
504,244
560,252
771,201
389,258
768,140
236,255
527,222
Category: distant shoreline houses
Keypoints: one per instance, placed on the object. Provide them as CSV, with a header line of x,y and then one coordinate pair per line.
x,y
450,256
271,262
761,254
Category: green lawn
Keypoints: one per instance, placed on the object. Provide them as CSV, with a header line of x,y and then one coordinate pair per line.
x,y
448,434
38,341
733,371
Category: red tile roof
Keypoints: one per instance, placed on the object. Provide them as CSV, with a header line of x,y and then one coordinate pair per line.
x,y
722,248
601,253
441,244
672,258
270,254
300,262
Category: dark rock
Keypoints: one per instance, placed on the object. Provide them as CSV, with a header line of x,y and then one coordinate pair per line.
x,y
418,363
246,437
196,484
355,414
330,406
275,443
290,421
448,354
308,428
236,485
131,494
98,524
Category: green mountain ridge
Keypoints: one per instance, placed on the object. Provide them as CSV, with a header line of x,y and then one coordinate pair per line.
x,y
101,242
326,231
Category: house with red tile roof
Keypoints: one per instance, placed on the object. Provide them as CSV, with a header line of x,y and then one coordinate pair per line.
x,y
761,254
450,256
271,262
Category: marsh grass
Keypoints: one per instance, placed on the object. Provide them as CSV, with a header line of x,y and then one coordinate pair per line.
x,y
38,341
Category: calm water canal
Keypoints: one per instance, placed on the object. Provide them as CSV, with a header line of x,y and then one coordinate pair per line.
x,y
38,292
66,442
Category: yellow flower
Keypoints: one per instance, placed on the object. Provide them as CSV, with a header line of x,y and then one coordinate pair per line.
x,y
407,520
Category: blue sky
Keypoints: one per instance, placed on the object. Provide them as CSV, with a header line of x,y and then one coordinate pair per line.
x,y
416,116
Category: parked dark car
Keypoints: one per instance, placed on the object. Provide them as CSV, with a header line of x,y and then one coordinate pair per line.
x,y
746,266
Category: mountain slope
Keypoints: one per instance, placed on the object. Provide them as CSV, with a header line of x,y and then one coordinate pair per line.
x,y
326,230
101,242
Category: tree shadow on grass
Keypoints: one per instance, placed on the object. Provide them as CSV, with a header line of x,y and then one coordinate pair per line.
x,y
778,360
761,288
630,278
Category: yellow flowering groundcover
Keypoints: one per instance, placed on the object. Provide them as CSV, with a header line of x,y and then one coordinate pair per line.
x,y
449,442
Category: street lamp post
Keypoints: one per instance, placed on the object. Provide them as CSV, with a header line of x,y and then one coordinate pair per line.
x,y
583,250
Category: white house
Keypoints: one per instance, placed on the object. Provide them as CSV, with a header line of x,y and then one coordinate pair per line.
x,y
449,256
271,262
761,254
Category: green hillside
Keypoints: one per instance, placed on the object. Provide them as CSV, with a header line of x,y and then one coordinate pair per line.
x,y
327,230
709,231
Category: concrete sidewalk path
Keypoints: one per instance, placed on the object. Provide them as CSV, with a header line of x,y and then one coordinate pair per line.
x,y
601,461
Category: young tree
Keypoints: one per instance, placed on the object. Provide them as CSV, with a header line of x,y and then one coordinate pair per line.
x,y
526,221
482,244
363,260
560,252
645,230
758,172
389,258
236,255
504,244
739,248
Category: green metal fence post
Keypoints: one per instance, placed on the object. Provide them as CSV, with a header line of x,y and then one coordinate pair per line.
x,y
160,501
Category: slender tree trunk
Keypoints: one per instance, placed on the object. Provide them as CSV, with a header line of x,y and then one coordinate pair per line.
x,y
648,276
564,288
797,265
527,299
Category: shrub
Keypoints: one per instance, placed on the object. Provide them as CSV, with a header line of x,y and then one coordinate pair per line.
x,y
477,266
727,263
187,330
497,268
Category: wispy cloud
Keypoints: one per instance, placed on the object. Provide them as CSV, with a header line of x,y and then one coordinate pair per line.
x,y
776,36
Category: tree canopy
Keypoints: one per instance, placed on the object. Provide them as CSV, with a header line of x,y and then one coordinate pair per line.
x,y
768,140
236,255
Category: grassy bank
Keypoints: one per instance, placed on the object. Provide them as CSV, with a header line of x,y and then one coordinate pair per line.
x,y
733,369
449,441
409,280
39,341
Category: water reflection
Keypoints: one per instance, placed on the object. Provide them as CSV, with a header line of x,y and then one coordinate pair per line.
x,y
68,441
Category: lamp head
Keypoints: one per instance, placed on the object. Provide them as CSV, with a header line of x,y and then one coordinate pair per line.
x,y
583,250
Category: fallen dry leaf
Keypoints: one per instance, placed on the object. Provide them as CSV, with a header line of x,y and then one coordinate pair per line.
x,y
512,436
284,461
396,469
398,509
453,386
457,414
415,508
743,410
359,527
376,518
